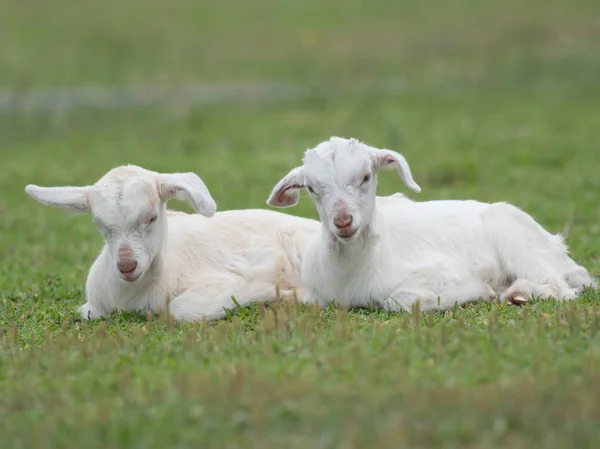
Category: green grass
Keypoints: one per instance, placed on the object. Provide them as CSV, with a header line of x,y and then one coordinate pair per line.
x,y
501,103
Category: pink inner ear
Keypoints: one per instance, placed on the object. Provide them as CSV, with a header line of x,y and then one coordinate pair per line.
x,y
388,159
282,198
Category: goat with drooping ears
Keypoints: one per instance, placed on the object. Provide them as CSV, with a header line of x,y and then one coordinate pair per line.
x,y
196,261
395,252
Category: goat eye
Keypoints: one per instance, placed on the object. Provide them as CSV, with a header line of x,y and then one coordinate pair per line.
x,y
153,219
310,189
367,178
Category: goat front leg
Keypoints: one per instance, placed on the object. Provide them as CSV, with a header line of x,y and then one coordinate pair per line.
x,y
90,312
213,294
461,293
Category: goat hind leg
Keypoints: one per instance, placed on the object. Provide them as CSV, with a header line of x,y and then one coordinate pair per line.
x,y
522,290
578,277
528,253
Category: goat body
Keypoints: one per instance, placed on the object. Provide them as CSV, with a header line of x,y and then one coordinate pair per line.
x,y
248,254
440,253
436,253
154,258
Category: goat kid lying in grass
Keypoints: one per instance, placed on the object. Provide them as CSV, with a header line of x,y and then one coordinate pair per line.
x,y
438,253
152,254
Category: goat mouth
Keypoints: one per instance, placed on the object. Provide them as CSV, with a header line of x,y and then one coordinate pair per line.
x,y
347,234
129,276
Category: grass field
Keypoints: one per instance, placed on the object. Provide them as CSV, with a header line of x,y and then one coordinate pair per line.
x,y
499,102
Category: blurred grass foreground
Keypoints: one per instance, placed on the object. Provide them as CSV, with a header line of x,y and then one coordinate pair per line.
x,y
496,101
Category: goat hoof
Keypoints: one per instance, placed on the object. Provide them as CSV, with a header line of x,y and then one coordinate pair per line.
x,y
491,294
518,299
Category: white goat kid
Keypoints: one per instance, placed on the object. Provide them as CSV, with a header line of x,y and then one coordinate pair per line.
x,y
152,254
438,253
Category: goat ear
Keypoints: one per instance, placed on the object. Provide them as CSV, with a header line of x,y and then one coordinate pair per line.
x,y
73,199
286,192
187,187
388,159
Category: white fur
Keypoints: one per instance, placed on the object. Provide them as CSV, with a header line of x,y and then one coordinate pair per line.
x,y
197,262
438,253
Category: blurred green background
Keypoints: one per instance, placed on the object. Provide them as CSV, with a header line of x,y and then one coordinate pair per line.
x,y
486,99
490,100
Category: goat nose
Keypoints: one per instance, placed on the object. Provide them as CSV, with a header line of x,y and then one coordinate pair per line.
x,y
124,251
342,221
126,266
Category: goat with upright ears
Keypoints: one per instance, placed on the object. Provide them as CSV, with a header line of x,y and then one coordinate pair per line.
x,y
396,252
199,261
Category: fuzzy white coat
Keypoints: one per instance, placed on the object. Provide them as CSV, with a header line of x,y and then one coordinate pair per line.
x,y
194,263
397,252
